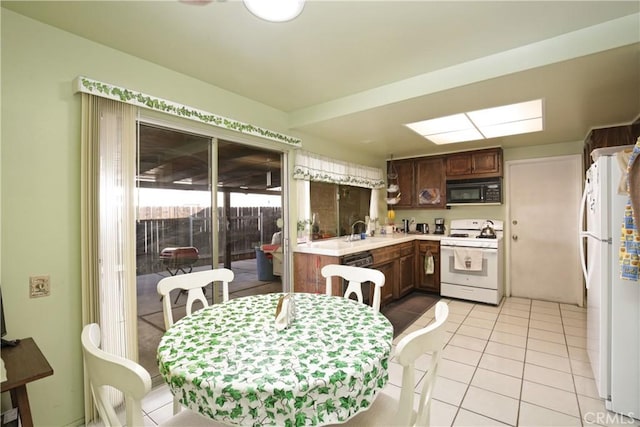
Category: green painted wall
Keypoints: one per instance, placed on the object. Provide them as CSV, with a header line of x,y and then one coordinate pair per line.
x,y
40,184
40,178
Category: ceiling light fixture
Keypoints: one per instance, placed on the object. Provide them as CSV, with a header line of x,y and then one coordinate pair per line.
x,y
513,119
275,10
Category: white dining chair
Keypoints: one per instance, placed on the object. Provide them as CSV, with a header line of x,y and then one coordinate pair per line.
x,y
193,284
355,276
388,411
105,370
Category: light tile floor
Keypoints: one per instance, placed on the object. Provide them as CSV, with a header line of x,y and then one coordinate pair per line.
x,y
522,363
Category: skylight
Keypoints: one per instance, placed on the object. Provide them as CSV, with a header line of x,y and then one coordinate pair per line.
x,y
514,119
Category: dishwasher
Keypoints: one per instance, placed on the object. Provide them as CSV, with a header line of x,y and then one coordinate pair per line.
x,y
362,259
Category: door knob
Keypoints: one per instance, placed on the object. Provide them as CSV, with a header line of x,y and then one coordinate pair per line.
x,y
514,237
514,222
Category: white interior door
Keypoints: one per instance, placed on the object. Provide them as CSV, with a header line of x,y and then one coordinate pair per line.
x,y
543,197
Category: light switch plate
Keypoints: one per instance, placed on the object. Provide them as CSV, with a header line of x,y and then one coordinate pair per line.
x,y
39,286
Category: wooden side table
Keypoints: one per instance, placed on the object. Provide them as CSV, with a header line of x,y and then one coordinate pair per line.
x,y
24,363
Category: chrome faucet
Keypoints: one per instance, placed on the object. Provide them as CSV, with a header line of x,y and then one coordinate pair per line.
x,y
353,229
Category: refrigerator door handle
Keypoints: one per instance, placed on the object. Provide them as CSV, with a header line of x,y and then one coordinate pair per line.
x,y
582,235
583,203
587,270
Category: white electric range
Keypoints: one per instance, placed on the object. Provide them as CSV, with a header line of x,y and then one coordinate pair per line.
x,y
472,266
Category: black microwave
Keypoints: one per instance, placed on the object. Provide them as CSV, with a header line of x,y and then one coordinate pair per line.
x,y
474,191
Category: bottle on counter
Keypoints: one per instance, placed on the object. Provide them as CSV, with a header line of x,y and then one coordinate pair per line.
x,y
372,227
315,227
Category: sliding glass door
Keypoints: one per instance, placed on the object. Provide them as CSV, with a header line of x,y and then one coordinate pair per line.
x,y
249,182
173,227
184,227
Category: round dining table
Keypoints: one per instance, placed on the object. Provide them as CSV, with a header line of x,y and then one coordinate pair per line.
x,y
229,362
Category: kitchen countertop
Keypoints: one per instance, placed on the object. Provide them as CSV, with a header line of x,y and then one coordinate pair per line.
x,y
339,246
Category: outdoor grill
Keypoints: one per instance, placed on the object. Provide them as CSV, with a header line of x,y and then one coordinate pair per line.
x,y
179,259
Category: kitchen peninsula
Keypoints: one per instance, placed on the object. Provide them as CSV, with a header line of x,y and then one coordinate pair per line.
x,y
403,258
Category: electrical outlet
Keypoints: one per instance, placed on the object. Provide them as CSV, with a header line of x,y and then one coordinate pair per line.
x,y
39,286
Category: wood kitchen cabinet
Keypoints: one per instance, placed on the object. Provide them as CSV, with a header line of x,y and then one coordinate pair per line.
x,y
386,260
430,183
422,180
474,164
397,262
422,183
406,183
406,268
424,281
390,271
307,276
610,137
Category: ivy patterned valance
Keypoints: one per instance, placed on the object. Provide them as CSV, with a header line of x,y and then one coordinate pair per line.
x,y
311,167
106,90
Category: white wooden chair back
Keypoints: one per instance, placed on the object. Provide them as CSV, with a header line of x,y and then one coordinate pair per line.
x,y
193,283
428,339
104,369
355,276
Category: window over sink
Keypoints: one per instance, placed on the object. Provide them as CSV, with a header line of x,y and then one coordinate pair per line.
x,y
335,208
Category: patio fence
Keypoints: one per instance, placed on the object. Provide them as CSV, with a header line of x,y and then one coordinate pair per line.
x,y
247,228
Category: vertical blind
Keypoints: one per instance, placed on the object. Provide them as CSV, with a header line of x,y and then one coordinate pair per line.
x,y
108,226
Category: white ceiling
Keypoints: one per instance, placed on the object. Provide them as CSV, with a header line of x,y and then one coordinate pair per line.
x,y
353,72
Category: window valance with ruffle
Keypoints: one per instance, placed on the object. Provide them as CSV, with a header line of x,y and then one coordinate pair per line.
x,y
312,167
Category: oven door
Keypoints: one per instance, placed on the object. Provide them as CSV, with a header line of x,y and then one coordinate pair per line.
x,y
487,277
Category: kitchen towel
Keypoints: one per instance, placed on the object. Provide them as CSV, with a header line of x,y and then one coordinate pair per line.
x,y
623,158
629,252
429,265
467,259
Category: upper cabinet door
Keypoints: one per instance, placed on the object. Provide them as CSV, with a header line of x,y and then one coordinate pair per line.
x,y
430,183
405,172
475,164
487,162
459,164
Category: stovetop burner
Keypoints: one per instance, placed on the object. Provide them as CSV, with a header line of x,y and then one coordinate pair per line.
x,y
486,237
459,235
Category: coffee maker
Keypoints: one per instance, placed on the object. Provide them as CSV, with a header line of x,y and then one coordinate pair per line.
x,y
439,228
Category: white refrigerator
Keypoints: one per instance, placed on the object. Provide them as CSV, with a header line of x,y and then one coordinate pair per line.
x,y
613,304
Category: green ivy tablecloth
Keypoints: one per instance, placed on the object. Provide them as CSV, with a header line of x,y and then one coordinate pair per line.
x,y
229,363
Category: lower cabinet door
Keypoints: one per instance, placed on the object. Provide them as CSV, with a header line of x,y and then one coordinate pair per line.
x,y
428,281
406,282
389,270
